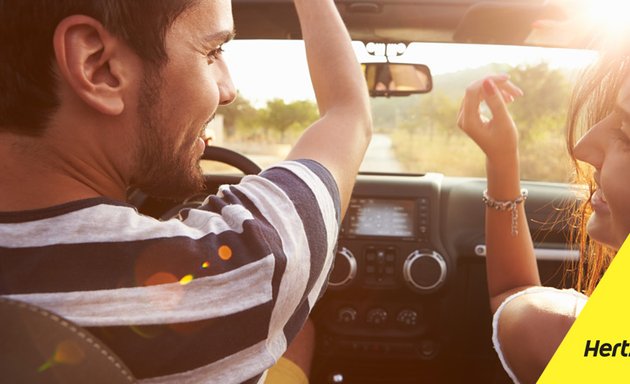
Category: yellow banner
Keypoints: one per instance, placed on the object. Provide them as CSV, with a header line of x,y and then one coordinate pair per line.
x,y
597,347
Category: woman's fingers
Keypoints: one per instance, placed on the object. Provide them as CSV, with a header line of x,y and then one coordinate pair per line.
x,y
469,109
495,101
508,98
496,91
469,119
497,85
509,87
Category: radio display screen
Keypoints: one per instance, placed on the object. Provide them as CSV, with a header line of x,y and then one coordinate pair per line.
x,y
381,217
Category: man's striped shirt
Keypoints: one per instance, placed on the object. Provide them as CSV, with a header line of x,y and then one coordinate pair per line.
x,y
213,297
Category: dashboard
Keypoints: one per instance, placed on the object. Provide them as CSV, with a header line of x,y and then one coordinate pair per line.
x,y
407,295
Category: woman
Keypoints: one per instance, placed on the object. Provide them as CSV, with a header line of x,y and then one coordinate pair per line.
x,y
530,321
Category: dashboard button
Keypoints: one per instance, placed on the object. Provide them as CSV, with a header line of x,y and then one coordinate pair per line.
x,y
376,316
407,317
347,315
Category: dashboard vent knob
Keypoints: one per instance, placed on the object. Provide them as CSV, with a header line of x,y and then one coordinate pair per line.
x,y
424,271
344,270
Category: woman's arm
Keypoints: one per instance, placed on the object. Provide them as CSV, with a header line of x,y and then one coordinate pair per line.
x,y
530,326
510,261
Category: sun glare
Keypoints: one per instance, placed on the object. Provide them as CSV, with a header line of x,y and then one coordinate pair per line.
x,y
286,75
611,18
611,13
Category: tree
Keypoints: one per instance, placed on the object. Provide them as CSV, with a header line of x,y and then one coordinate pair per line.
x,y
425,131
240,113
295,116
440,113
540,116
546,96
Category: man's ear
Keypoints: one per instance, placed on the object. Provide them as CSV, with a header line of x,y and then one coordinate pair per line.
x,y
92,62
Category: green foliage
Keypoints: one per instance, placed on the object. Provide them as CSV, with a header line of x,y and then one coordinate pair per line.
x,y
428,138
454,155
433,114
293,117
239,114
543,107
276,121
540,115
423,128
546,94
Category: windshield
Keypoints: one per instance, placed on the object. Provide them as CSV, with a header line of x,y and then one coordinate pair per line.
x,y
413,134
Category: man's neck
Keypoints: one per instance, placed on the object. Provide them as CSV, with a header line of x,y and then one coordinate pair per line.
x,y
35,174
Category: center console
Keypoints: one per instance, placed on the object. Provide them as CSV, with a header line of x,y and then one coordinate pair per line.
x,y
391,238
389,272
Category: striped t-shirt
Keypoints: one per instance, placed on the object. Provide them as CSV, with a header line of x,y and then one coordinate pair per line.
x,y
212,298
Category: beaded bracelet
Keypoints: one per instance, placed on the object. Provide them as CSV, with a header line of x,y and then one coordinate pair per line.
x,y
507,205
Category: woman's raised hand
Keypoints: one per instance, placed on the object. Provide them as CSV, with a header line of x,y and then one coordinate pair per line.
x,y
498,136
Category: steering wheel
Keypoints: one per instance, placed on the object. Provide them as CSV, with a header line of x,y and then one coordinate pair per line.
x,y
138,198
225,156
232,158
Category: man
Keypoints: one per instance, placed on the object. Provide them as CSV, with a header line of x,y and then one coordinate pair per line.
x,y
97,96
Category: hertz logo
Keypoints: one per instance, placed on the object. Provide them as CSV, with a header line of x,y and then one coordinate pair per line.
x,y
606,349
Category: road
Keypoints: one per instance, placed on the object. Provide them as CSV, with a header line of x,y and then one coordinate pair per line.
x,y
380,156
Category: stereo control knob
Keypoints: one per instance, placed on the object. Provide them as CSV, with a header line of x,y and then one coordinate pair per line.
x,y
424,271
376,316
347,315
344,270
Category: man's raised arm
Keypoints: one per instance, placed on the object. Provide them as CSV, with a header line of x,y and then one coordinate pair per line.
x,y
338,140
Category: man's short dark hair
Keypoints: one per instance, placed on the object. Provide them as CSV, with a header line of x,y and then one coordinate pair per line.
x,y
27,80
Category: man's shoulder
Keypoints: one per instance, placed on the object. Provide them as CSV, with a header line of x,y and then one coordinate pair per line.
x,y
305,178
305,169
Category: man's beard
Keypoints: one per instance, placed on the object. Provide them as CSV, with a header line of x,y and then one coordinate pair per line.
x,y
160,170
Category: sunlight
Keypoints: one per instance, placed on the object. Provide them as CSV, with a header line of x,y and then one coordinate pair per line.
x,y
265,69
610,14
612,18
605,20
447,58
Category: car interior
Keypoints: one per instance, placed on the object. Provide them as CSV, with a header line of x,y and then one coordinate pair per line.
x,y
407,300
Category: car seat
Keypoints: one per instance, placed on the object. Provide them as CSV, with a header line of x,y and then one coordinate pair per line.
x,y
38,346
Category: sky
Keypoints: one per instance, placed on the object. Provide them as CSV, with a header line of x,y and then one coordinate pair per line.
x,y
262,69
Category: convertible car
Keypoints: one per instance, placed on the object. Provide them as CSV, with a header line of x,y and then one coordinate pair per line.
x,y
407,300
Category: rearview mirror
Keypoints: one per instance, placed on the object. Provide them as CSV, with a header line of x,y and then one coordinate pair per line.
x,y
397,79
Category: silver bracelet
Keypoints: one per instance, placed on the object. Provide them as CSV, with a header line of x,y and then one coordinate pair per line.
x,y
506,205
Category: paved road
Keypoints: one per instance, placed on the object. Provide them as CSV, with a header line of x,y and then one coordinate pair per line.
x,y
380,156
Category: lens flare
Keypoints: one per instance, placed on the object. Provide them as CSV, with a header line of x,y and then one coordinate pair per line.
x,y
225,252
160,278
67,352
186,279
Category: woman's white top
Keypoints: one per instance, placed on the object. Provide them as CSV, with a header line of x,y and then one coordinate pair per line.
x,y
579,300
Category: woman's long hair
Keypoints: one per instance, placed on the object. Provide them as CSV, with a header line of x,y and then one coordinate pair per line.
x,y
593,99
